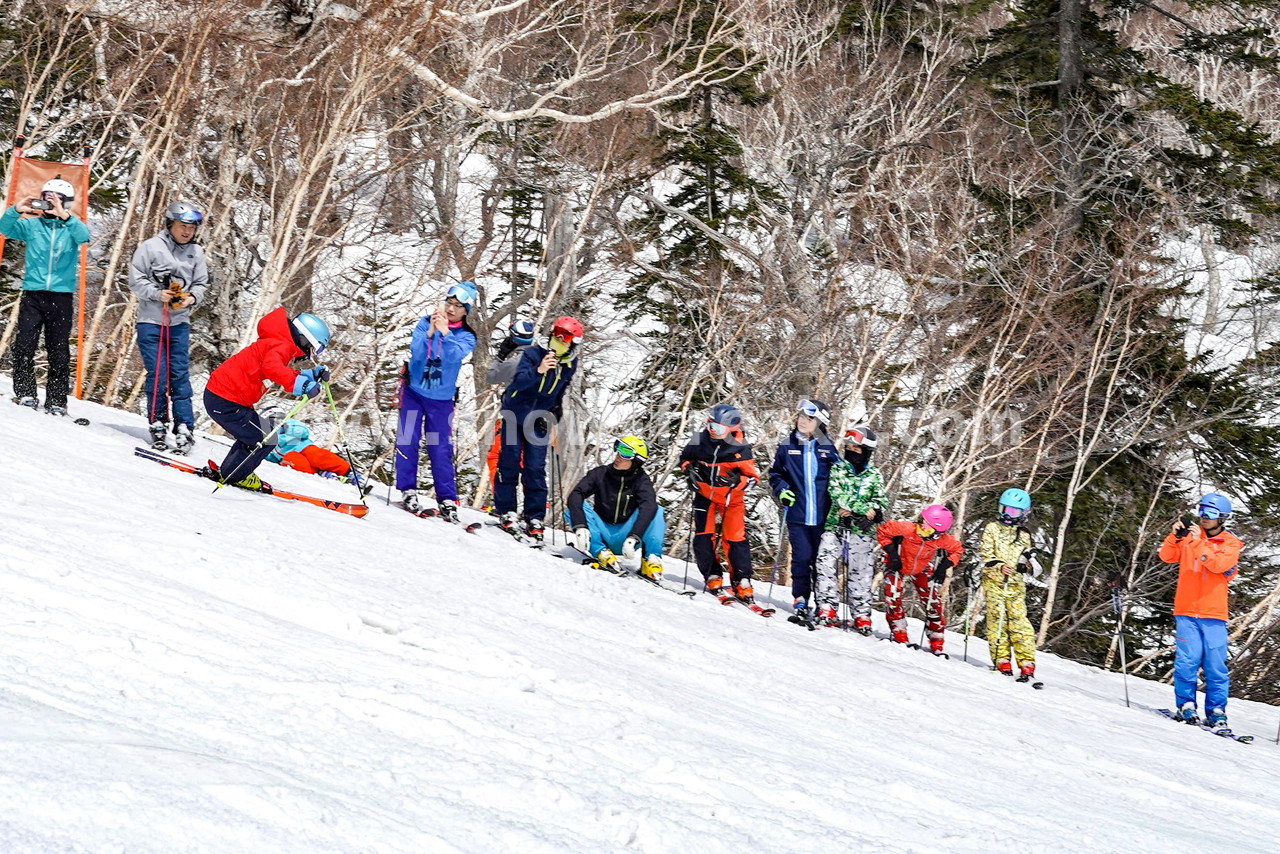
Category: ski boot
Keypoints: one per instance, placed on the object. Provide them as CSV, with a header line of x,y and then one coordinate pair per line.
x,y
183,440
56,410
899,637
862,625
411,502
157,429
534,528
1026,672
801,615
1187,714
449,511
253,483
743,592
608,561
510,522
1216,719
935,647
828,617
651,568
29,402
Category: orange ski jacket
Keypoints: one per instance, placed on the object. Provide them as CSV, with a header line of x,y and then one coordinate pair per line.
x,y
1206,566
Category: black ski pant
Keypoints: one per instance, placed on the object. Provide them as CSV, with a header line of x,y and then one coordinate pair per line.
x,y
248,428
48,312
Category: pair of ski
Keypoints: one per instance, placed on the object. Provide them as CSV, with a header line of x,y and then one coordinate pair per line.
x,y
727,598
433,513
83,422
518,535
210,472
622,572
1224,732
1019,678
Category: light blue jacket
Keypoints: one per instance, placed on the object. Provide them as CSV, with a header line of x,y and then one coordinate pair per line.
x,y
292,436
435,359
53,249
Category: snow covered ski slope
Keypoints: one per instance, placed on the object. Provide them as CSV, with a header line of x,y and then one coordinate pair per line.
x,y
187,672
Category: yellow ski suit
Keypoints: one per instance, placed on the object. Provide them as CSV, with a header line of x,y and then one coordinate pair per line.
x,y
1007,623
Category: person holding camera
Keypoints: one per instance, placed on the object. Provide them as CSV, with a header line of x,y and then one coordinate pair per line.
x,y
53,237
169,276
1207,555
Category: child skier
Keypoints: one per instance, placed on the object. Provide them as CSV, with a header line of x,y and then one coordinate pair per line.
x,y
441,342
294,449
502,370
798,477
719,467
1002,558
239,382
624,516
922,551
1207,555
530,408
858,504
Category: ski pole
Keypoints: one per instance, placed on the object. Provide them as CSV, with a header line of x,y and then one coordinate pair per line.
x,y
230,478
688,552
844,588
1117,607
934,589
342,437
999,635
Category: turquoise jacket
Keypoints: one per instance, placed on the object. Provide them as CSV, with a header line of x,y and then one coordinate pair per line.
x,y
53,249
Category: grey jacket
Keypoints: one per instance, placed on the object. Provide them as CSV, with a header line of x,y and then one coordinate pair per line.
x,y
502,373
158,260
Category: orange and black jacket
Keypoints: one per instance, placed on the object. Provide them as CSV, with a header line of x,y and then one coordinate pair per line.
x,y
616,495
721,470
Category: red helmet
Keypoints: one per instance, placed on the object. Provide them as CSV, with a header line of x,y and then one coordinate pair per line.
x,y
567,329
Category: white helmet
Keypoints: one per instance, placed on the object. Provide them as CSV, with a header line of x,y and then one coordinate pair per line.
x,y
61,187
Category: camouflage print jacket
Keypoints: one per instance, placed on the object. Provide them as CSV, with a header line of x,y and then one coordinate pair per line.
x,y
1001,544
858,493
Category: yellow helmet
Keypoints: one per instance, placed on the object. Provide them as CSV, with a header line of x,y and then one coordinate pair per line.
x,y
631,446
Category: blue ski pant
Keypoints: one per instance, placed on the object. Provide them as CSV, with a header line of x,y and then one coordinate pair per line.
x,y
522,459
415,410
804,554
247,427
604,535
1201,644
165,354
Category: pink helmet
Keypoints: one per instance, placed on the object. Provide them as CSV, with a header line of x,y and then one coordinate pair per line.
x,y
937,517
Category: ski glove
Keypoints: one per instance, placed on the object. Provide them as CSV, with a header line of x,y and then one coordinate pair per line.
x,y
306,386
892,559
631,547
1184,528
940,571
319,373
582,539
786,498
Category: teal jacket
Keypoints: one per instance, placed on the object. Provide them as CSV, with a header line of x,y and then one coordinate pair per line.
x,y
53,249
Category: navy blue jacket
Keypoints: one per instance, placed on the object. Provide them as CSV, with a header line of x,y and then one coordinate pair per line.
x,y
804,466
531,391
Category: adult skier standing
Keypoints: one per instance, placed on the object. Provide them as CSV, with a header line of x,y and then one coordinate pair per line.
x,y
168,274
1003,562
441,342
1207,555
921,551
720,467
858,504
799,474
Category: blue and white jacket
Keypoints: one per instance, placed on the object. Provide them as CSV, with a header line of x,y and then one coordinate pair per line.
x,y
804,467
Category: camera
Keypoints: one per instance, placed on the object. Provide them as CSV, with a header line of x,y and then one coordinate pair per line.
x,y
40,205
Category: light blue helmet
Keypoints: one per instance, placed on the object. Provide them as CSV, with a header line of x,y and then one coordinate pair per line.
x,y
1015,504
464,292
1214,505
314,331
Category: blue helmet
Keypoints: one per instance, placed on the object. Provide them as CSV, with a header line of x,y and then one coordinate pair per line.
x,y
723,419
521,331
1214,506
465,293
1015,504
314,331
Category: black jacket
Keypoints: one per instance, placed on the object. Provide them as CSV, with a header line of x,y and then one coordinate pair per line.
x,y
617,495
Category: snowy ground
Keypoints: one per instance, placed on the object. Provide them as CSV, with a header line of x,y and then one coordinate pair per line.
x,y
186,672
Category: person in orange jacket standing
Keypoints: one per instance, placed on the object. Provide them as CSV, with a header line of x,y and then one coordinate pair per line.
x,y
1207,555
922,551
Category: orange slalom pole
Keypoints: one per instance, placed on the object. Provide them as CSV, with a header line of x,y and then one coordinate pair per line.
x,y
84,267
18,144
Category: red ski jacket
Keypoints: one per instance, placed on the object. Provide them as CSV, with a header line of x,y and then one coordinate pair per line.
x,y
917,553
242,378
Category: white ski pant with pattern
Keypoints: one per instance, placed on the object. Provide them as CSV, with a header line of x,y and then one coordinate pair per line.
x,y
858,555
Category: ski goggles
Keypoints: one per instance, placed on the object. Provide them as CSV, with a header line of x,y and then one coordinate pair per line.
x,y
808,407
190,218
625,451
1204,511
857,437
462,296
1013,512
718,430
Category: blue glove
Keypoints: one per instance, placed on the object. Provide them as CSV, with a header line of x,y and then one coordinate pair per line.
x,y
319,373
306,386
786,498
